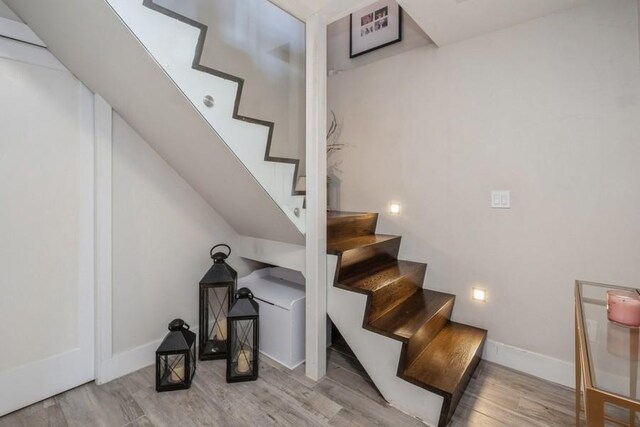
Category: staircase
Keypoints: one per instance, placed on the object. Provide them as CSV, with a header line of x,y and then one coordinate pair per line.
x,y
148,69
436,354
176,42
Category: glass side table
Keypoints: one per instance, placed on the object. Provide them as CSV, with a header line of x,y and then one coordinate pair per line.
x,y
606,359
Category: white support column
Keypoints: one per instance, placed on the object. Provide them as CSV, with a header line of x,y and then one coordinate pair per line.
x,y
316,237
103,214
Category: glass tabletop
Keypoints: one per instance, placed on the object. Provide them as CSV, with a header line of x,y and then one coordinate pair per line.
x,y
612,350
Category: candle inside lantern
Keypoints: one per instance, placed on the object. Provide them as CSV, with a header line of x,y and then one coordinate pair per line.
x,y
221,329
244,361
177,374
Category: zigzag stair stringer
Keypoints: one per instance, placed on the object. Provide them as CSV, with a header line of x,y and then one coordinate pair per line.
x,y
170,38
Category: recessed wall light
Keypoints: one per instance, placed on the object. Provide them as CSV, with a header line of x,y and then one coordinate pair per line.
x,y
394,209
478,294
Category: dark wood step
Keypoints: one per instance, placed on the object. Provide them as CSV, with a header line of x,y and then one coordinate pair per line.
x,y
363,253
447,363
409,317
388,285
341,225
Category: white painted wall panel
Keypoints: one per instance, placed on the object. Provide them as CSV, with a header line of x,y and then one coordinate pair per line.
x,y
162,233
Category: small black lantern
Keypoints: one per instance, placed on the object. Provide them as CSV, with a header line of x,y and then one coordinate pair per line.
x,y
217,288
176,358
242,341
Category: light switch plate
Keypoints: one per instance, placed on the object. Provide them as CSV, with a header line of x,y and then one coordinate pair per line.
x,y
501,199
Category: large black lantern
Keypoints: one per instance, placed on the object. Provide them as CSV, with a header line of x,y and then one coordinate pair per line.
x,y
242,341
176,358
216,293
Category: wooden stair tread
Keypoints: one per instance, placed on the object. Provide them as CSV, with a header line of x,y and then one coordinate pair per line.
x,y
339,246
371,281
448,360
404,320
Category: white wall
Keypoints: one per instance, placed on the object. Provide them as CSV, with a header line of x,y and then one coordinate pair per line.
x,y
265,46
7,13
162,233
547,109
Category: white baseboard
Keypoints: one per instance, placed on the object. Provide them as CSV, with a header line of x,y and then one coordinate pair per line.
x,y
280,362
541,366
536,364
133,360
129,361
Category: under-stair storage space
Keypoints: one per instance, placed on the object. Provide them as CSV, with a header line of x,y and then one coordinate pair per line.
x,y
281,295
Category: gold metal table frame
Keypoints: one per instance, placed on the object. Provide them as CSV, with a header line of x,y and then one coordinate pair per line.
x,y
596,398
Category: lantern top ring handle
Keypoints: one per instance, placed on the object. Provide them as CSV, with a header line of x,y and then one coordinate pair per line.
x,y
221,244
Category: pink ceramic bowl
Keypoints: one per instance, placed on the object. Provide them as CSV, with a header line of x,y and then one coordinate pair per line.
x,y
623,307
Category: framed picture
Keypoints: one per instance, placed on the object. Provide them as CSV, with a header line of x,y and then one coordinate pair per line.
x,y
375,26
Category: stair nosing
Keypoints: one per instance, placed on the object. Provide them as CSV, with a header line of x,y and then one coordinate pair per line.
x,y
349,214
387,238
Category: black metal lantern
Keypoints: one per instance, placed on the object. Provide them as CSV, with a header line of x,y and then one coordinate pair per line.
x,y
242,341
217,288
176,358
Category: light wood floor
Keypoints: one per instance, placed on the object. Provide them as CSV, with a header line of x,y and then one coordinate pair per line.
x,y
345,397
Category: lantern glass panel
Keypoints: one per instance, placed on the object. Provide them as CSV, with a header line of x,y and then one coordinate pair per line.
x,y
217,302
243,363
172,368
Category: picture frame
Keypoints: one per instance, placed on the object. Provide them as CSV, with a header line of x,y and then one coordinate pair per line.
x,y
375,27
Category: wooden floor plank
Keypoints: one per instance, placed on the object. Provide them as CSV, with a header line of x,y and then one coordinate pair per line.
x,y
495,397
90,405
140,422
45,413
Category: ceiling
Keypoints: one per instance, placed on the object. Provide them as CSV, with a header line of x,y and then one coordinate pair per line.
x,y
331,9
444,21
450,21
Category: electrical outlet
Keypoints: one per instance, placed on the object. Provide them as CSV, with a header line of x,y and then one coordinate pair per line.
x,y
501,199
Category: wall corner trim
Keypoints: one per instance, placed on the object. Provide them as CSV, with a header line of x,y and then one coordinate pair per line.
x,y
316,240
103,128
